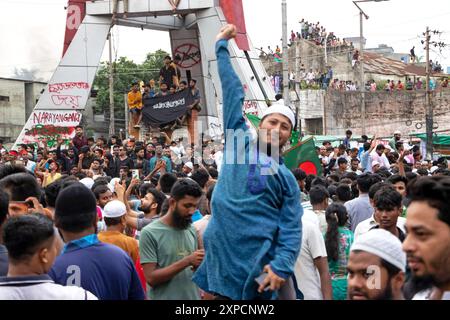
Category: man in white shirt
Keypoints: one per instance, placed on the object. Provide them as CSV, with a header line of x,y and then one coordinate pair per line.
x,y
218,155
379,156
311,268
310,77
370,223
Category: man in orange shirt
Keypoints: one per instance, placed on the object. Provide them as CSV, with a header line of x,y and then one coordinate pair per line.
x,y
114,215
135,105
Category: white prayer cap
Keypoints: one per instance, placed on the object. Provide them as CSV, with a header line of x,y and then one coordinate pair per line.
x,y
112,184
397,132
281,108
383,244
114,209
374,163
433,169
189,165
87,182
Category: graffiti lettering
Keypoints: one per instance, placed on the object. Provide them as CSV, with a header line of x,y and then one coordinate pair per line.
x,y
48,134
54,118
71,101
58,87
251,107
48,130
189,55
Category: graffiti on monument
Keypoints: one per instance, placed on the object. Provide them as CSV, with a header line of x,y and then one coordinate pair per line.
x,y
251,107
49,126
188,54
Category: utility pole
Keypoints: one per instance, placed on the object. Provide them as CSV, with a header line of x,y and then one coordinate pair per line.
x,y
286,96
429,115
111,89
361,63
362,14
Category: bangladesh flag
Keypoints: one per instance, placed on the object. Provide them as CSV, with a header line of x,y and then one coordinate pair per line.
x,y
303,156
277,58
254,120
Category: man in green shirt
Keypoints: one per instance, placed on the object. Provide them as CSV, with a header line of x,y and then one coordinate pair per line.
x,y
170,249
397,137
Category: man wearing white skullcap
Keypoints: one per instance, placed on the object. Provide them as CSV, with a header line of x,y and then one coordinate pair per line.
x,y
114,214
255,205
376,267
397,137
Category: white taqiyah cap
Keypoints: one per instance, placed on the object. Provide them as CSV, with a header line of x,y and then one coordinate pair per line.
x,y
281,108
112,184
374,163
189,165
114,209
87,182
397,132
383,244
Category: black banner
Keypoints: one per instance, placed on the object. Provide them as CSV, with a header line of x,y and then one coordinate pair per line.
x,y
162,110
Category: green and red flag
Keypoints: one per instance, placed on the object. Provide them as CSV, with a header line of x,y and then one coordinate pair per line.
x,y
254,120
277,58
303,156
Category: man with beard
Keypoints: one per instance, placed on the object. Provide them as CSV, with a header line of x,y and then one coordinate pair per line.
x,y
427,243
150,208
80,139
261,216
376,267
170,248
395,139
68,158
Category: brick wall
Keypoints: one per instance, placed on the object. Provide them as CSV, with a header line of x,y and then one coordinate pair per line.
x,y
385,112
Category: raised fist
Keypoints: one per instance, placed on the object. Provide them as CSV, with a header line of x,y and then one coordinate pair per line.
x,y
227,32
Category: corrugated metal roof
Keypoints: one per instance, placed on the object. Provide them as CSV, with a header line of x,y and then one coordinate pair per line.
x,y
378,64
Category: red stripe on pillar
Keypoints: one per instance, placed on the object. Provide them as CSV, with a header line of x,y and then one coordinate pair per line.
x,y
76,11
234,13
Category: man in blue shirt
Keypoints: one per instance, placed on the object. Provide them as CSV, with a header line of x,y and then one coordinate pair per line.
x,y
159,157
256,213
103,269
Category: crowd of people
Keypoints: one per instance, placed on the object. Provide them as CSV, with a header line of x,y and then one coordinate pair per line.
x,y
117,220
323,79
169,83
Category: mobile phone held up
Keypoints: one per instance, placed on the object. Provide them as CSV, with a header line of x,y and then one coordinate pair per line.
x,y
135,174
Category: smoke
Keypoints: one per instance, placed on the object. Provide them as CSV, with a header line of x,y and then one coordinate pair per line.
x,y
32,74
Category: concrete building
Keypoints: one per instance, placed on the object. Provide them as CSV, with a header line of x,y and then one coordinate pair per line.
x,y
389,52
17,100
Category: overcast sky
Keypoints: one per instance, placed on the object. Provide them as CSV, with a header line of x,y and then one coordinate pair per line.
x,y
32,31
